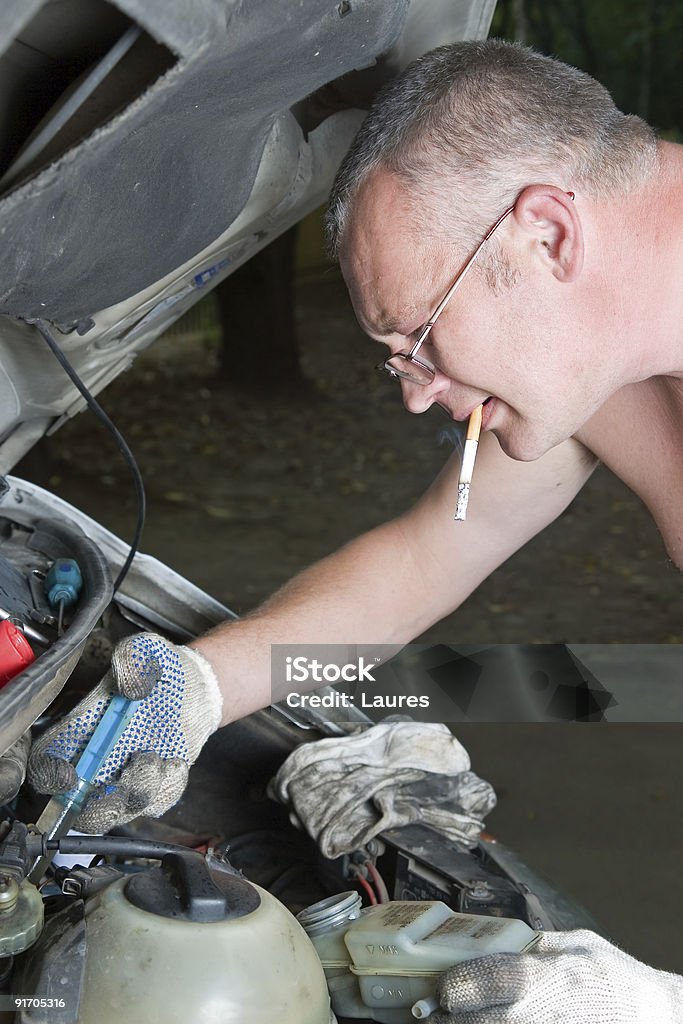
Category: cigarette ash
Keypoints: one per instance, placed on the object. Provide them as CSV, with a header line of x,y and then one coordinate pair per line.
x,y
463,499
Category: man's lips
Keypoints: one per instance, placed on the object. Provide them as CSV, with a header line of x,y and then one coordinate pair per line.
x,y
489,408
489,405
463,417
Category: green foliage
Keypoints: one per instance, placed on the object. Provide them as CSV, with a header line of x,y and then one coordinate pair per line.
x,y
633,47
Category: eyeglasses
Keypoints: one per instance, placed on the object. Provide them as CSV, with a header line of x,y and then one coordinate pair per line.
x,y
407,365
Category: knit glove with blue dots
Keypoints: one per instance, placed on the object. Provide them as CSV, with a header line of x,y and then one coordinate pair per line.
x,y
147,770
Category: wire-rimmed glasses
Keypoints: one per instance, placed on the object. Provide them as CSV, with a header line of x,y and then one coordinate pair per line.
x,y
410,366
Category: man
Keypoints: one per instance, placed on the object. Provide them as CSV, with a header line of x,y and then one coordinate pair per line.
x,y
566,327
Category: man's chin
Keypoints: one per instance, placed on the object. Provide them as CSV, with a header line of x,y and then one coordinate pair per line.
x,y
523,445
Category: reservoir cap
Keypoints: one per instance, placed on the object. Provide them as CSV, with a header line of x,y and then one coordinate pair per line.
x,y
185,889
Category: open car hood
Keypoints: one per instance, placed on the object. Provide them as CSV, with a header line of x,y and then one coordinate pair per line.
x,y
148,149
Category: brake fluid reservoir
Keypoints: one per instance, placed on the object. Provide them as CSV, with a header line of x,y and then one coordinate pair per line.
x,y
397,950
181,943
429,936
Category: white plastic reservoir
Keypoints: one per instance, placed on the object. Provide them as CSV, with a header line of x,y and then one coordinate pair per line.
x,y
382,961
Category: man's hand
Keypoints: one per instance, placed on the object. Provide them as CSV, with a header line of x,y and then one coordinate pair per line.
x,y
147,770
568,978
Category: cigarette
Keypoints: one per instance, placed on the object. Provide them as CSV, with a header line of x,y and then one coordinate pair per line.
x,y
468,457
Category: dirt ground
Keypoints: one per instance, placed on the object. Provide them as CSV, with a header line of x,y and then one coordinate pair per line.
x,y
243,493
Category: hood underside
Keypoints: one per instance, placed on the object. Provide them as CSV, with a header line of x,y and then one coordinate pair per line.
x,y
145,192
148,148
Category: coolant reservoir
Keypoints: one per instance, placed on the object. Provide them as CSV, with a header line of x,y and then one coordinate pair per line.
x,y
382,963
181,943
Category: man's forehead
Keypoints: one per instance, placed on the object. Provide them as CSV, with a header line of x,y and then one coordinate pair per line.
x,y
380,299
389,269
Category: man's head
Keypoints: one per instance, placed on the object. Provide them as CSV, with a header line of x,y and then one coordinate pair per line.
x,y
466,131
467,126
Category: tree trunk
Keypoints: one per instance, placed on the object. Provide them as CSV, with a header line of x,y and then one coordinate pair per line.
x,y
256,306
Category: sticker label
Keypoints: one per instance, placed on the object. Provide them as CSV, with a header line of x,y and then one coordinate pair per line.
x,y
402,914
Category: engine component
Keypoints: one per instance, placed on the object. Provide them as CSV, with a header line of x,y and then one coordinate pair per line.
x,y
15,651
28,546
190,939
83,882
167,966
63,584
21,915
383,962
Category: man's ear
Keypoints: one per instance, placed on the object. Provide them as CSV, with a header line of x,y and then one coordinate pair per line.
x,y
549,215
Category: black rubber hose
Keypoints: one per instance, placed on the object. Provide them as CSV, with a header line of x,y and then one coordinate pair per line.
x,y
114,846
111,846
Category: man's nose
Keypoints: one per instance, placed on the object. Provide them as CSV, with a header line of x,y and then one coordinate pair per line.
x,y
418,398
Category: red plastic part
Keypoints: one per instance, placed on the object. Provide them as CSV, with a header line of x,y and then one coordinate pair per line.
x,y
15,652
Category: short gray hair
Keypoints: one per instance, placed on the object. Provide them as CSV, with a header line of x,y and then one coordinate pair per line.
x,y
467,126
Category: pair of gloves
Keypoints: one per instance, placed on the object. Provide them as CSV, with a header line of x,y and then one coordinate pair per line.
x,y
568,978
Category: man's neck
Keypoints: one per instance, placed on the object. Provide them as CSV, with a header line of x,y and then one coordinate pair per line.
x,y
650,224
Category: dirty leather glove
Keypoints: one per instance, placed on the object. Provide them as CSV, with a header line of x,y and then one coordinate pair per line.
x,y
567,978
345,790
147,770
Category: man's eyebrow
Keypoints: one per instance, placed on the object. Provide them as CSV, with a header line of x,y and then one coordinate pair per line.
x,y
388,324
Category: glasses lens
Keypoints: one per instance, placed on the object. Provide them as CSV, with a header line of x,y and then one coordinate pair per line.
x,y
414,370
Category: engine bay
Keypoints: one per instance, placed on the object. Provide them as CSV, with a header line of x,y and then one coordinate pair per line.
x,y
67,938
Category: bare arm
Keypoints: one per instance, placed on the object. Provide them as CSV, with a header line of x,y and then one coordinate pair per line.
x,y
390,584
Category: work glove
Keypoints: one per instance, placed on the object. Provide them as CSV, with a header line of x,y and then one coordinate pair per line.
x,y
147,770
567,978
345,790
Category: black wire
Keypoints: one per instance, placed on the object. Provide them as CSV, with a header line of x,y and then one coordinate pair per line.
x,y
118,437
